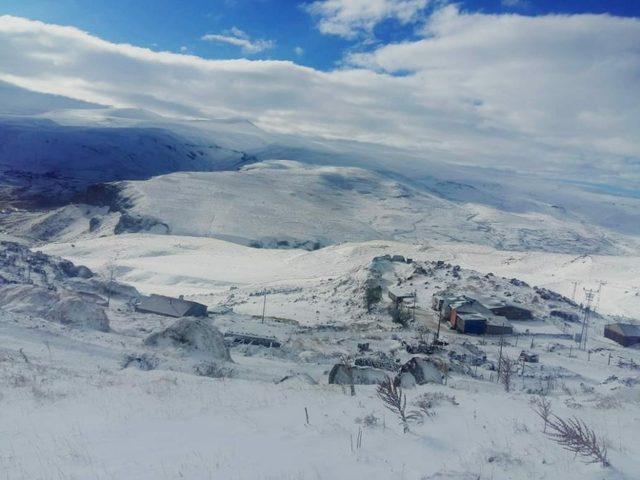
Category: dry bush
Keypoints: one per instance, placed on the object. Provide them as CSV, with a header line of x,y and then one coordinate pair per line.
x,y
508,367
369,420
428,401
576,436
542,406
213,370
395,400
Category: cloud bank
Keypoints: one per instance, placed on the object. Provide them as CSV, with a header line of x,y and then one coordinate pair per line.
x,y
552,93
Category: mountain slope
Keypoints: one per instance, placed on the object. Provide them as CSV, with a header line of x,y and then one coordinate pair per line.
x,y
289,204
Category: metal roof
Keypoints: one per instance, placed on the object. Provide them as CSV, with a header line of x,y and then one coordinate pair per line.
x,y
626,329
173,307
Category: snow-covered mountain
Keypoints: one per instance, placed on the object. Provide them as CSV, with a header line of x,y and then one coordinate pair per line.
x,y
323,192
290,204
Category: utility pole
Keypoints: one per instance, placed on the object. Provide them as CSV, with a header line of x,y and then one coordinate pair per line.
x,y
600,285
264,305
589,295
415,294
500,357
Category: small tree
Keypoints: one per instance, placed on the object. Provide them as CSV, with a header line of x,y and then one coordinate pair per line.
x,y
574,435
508,368
372,294
395,400
400,315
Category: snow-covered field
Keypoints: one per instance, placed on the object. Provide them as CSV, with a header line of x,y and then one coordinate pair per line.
x,y
208,268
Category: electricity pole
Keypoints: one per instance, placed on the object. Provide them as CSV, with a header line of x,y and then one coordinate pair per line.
x,y
589,294
264,305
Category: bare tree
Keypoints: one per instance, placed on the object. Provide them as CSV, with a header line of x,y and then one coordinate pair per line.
x,y
542,406
575,435
396,401
508,368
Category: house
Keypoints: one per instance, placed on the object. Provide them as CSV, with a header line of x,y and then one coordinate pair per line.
x,y
509,310
471,322
171,307
398,296
469,315
451,301
626,334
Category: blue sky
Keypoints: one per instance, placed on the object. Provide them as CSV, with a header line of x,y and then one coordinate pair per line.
x,y
173,24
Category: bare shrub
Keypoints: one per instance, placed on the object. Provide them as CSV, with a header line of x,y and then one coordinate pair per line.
x,y
369,420
142,361
428,401
508,368
400,315
576,436
542,406
607,402
213,370
395,400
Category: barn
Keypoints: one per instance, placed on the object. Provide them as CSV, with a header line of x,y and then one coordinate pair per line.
x,y
171,307
509,310
626,334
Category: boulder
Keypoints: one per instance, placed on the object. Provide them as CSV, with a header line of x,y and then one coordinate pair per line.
x,y
422,370
342,374
193,335
78,313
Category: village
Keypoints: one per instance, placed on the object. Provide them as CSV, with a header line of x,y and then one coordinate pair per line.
x,y
426,330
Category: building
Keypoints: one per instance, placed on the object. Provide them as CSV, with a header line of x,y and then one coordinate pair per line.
x,y
471,322
468,315
171,307
509,310
626,334
498,326
398,296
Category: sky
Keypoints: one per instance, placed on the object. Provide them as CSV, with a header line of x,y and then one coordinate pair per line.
x,y
502,82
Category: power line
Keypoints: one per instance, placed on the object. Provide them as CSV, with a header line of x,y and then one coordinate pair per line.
x,y
589,295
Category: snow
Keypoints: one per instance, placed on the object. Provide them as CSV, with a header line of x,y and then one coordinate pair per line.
x,y
285,203
91,388
206,268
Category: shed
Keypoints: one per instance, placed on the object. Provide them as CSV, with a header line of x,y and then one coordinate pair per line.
x,y
397,295
626,334
509,310
471,322
171,307
498,326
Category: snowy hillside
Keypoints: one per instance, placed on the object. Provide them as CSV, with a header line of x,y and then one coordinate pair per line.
x,y
303,282
45,163
289,204
112,404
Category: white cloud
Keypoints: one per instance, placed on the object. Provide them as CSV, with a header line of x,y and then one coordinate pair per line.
x,y
515,3
351,18
299,51
237,37
537,93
